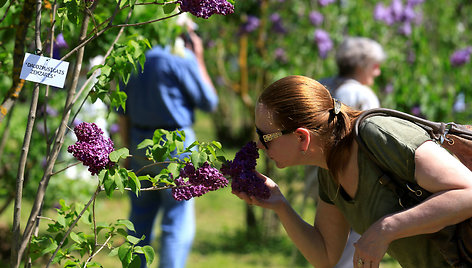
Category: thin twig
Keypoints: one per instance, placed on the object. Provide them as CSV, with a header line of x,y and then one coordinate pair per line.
x,y
46,218
6,11
96,252
71,165
151,165
94,224
147,22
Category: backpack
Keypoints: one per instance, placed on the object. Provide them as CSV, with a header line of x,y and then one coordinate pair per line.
x,y
454,242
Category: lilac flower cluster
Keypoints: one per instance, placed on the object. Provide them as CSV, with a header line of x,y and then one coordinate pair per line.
x,y
461,56
316,18
200,181
251,24
206,8
277,24
325,2
92,148
324,42
241,170
399,13
280,55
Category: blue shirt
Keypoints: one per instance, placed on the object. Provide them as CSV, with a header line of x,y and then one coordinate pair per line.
x,y
168,91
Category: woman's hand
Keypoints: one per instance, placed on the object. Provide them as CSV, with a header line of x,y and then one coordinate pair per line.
x,y
371,247
275,200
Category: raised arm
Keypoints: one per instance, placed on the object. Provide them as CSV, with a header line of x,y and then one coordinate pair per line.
x,y
440,173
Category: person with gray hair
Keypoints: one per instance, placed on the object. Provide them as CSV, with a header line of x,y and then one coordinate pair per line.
x,y
358,60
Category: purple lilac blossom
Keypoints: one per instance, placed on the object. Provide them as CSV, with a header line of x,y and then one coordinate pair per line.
x,y
250,25
206,8
414,2
242,172
405,29
92,148
277,24
324,42
200,181
325,2
416,110
399,13
316,18
114,128
461,57
280,55
388,88
61,42
396,8
382,13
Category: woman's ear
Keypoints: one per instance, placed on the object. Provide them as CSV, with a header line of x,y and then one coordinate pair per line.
x,y
303,138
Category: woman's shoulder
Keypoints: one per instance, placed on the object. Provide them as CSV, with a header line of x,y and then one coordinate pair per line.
x,y
390,125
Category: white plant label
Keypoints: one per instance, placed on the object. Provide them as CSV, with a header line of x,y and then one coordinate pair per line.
x,y
44,70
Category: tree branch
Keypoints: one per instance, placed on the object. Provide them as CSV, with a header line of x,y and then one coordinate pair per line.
x,y
16,254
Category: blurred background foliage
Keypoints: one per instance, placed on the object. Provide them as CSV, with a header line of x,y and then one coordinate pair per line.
x,y
262,41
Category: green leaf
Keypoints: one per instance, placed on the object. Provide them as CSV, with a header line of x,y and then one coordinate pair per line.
x,y
113,252
128,224
169,8
198,158
76,238
119,182
109,187
217,144
174,168
160,153
149,254
50,248
135,262
102,176
72,264
125,254
133,240
118,98
121,153
89,73
145,143
134,183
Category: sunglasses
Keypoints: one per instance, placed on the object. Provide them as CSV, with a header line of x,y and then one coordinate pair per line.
x,y
265,138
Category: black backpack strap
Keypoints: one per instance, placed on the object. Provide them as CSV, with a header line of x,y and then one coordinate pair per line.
x,y
409,194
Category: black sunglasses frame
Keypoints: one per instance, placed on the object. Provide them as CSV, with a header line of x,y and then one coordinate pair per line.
x,y
265,138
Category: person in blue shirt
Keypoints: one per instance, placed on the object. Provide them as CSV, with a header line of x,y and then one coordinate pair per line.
x,y
173,84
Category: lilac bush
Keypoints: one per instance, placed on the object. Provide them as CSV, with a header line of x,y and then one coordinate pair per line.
x,y
206,8
242,172
92,148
